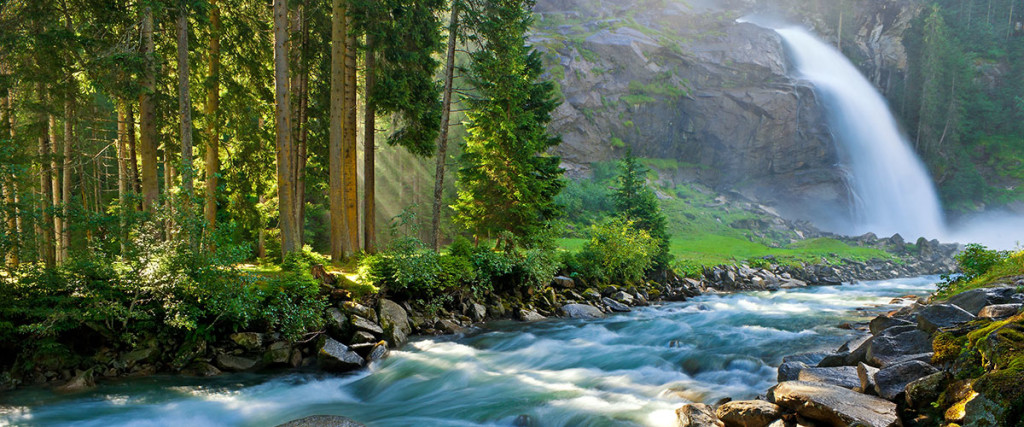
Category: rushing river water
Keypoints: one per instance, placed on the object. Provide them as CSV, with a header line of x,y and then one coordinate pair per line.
x,y
628,369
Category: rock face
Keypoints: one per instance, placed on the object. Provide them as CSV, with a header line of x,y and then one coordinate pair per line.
x,y
834,405
748,413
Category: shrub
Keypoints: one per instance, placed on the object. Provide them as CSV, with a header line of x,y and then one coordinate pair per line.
x,y
617,253
976,260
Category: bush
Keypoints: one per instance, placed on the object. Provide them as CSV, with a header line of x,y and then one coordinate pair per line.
x,y
976,260
617,253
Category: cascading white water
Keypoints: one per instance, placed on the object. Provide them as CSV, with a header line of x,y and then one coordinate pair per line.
x,y
892,189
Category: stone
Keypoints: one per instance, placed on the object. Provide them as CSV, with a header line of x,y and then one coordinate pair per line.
x,y
322,421
983,412
834,359
895,343
936,316
361,337
581,311
337,357
790,371
365,325
360,310
201,369
860,353
82,381
810,359
478,312
921,392
592,294
530,315
698,415
748,413
843,376
230,362
866,375
999,311
379,352
448,326
142,355
623,297
338,324
394,320
974,300
883,322
562,282
892,380
279,352
248,340
615,305
834,405
188,352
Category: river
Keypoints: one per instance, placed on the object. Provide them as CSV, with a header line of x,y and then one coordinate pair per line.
x,y
628,369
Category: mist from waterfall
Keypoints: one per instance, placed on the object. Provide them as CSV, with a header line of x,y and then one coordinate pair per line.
x,y
892,190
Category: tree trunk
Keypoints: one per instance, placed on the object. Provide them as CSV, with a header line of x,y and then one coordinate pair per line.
x,y
442,140
339,233
290,231
45,228
168,184
65,233
133,159
349,144
369,134
184,103
299,87
11,187
122,172
212,164
55,191
147,116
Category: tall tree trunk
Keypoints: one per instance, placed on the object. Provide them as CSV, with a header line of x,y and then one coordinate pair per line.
x,y
336,190
442,140
299,88
133,158
11,187
168,184
45,228
369,147
212,165
65,233
290,231
122,173
55,191
184,102
349,144
147,116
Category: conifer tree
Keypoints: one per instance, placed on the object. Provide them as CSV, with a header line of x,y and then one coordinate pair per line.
x,y
636,202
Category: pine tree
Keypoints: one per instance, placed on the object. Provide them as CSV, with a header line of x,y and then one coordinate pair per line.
x,y
636,202
507,183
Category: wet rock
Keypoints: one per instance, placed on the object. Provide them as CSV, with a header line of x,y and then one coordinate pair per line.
x,y
895,343
530,315
248,340
394,321
834,360
365,325
893,379
360,310
923,391
142,355
82,381
581,311
337,357
698,415
361,337
834,405
883,322
322,421
188,352
615,305
201,369
592,294
447,326
790,371
379,352
748,413
337,325
478,312
974,300
524,420
279,352
623,297
866,376
999,311
860,353
230,362
843,376
562,282
936,316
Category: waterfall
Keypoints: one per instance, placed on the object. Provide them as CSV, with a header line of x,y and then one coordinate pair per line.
x,y
892,190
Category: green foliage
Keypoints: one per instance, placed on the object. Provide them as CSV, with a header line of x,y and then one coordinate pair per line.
x,y
585,202
976,260
637,203
617,252
981,267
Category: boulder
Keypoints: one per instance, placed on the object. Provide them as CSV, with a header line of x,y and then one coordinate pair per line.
x,y
188,352
895,343
82,381
322,421
935,316
338,324
698,415
859,353
395,322
248,340
974,300
843,376
230,362
892,380
280,352
478,312
581,311
201,369
365,325
834,360
748,413
883,322
834,405
142,355
623,297
615,305
790,371
563,282
361,337
530,315
810,359
337,357
360,310
379,352
866,375
999,311
923,391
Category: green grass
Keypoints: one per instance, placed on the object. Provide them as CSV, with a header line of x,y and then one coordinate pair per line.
x,y
1011,266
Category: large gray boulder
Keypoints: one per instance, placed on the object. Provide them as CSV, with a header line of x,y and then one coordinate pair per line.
x,y
866,375
892,380
936,316
322,421
842,376
974,300
834,405
395,322
337,357
999,311
748,413
615,306
697,415
895,344
581,311
365,325
883,322
229,362
790,371
922,392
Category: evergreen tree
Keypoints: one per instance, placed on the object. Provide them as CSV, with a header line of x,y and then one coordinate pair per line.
x,y
507,183
636,202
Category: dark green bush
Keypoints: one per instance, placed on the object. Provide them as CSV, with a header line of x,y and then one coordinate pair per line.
x,y
617,253
976,260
